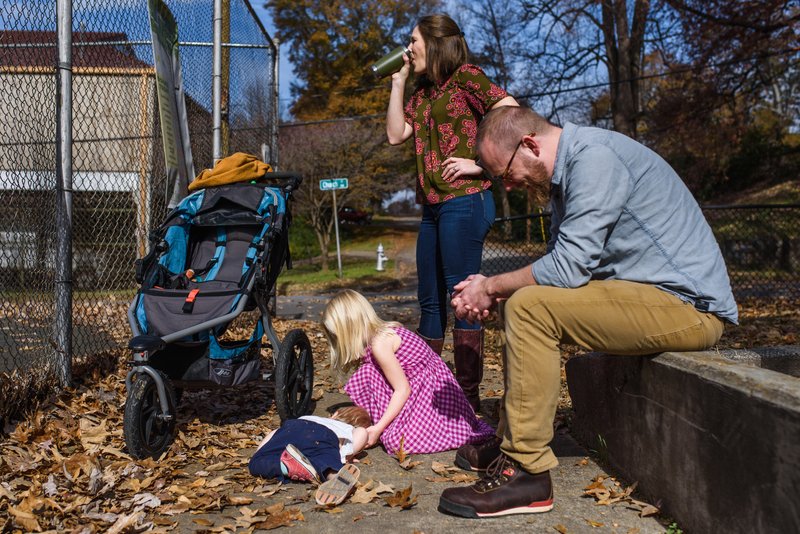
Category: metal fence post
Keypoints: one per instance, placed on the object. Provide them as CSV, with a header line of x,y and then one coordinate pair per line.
x,y
62,333
217,84
276,58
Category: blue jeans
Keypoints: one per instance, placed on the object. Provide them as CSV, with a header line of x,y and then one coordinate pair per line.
x,y
449,248
317,443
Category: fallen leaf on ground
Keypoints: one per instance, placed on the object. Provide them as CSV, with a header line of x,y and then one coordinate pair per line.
x,y
365,494
282,519
331,510
402,499
217,466
25,519
146,500
238,501
275,508
605,495
126,522
268,490
643,508
401,453
359,517
219,481
409,464
443,469
4,493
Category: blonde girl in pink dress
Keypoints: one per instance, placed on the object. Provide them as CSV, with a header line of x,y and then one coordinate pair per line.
x,y
407,389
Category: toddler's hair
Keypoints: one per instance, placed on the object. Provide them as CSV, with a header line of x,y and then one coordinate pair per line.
x,y
354,415
350,323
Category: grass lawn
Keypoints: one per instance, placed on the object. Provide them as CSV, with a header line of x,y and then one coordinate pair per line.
x,y
366,238
357,273
359,244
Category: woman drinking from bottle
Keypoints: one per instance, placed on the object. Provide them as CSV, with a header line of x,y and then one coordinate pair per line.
x,y
450,98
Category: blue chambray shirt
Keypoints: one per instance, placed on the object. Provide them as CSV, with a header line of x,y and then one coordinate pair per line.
x,y
620,212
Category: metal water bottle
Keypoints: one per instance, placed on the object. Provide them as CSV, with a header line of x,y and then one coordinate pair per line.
x,y
391,62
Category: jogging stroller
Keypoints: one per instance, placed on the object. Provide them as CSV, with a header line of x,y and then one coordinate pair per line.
x,y
217,254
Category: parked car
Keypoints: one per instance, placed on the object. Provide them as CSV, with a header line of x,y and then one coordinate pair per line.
x,y
348,214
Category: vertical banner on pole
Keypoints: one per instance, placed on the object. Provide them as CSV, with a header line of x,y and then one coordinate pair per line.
x,y
171,104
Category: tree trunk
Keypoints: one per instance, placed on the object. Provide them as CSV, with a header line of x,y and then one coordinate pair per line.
x,y
528,210
623,44
324,240
506,207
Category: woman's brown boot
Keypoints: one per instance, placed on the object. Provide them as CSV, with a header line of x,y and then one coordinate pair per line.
x,y
435,344
468,359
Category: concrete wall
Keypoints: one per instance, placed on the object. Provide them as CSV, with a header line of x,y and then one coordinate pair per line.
x,y
715,443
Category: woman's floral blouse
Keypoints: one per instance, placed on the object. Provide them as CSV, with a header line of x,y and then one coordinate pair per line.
x,y
445,120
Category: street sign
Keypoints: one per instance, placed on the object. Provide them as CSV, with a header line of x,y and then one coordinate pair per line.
x,y
333,183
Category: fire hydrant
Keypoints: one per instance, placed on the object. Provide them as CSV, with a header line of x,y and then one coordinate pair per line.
x,y
381,258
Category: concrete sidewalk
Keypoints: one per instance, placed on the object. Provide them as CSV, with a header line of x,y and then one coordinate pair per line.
x,y
573,511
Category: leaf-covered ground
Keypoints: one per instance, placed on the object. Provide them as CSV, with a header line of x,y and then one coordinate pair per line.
x,y
65,467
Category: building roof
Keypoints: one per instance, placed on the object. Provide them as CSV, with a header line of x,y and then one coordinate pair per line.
x,y
119,55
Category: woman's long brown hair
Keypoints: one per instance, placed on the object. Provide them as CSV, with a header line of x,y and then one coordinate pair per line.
x,y
445,47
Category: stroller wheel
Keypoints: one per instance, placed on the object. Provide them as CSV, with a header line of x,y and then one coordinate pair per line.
x,y
294,375
147,433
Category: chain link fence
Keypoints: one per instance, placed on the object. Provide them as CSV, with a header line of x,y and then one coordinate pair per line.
x,y
760,244
119,189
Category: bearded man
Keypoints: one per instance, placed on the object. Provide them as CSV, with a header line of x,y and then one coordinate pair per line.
x,y
631,268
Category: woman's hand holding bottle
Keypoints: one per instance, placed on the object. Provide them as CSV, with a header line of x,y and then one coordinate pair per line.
x,y
401,76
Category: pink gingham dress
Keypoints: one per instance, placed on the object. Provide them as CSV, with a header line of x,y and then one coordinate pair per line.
x,y
436,417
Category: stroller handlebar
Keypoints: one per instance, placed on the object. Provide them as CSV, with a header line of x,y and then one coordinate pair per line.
x,y
288,180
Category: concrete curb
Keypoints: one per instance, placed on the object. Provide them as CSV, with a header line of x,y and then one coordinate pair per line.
x,y
715,441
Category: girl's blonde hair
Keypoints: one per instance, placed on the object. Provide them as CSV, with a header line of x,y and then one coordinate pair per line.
x,y
350,323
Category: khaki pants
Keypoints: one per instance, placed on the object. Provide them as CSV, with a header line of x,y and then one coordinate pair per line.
x,y
612,316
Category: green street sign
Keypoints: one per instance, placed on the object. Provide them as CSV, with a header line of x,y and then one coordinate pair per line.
x,y
333,183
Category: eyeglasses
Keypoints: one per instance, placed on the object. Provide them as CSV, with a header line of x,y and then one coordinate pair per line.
x,y
503,176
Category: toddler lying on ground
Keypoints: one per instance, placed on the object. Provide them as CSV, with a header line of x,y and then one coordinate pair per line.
x,y
313,449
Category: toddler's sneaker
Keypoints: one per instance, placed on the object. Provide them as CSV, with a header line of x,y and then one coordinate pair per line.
x,y
296,466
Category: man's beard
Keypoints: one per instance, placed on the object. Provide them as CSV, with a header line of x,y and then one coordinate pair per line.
x,y
539,184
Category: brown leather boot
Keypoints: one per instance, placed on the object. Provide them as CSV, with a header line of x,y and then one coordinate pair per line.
x,y
468,358
478,457
435,344
506,489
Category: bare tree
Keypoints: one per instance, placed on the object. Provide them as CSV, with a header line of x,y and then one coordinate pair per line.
x,y
734,90
355,150
746,48
496,34
572,38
